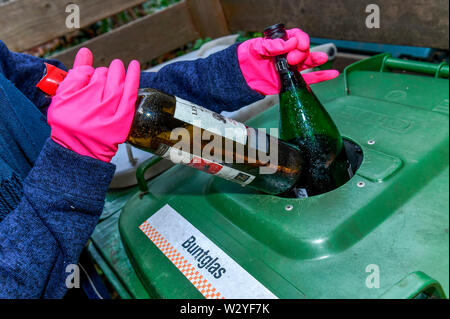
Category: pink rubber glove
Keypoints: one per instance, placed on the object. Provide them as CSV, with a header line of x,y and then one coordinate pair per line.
x,y
256,61
92,111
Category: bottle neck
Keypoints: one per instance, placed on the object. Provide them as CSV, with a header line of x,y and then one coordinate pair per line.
x,y
290,77
297,98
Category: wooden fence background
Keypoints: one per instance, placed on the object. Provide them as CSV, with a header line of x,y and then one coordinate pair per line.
x,y
27,23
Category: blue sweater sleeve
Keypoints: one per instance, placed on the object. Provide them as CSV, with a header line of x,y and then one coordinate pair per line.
x,y
215,82
63,197
25,71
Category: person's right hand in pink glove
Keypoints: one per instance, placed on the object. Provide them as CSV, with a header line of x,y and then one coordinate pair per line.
x,y
93,109
256,61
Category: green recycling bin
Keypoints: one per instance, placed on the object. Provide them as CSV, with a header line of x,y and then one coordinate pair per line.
x,y
384,234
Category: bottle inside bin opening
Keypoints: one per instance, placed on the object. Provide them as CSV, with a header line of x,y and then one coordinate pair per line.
x,y
305,123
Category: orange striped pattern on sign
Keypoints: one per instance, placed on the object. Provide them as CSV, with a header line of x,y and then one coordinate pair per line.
x,y
188,270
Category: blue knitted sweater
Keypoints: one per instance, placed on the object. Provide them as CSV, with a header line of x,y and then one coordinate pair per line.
x,y
51,197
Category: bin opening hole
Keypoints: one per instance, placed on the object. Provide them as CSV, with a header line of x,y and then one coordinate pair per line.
x,y
355,157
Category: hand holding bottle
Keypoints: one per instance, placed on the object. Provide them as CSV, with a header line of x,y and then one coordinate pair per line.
x,y
256,61
92,111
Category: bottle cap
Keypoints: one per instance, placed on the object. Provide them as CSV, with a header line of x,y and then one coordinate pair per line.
x,y
52,78
276,31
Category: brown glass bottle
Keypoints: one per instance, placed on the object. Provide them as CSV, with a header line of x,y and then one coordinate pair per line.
x,y
163,121
187,133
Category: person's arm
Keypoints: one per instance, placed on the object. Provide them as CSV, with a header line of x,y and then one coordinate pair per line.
x,y
225,81
215,82
25,71
239,75
63,197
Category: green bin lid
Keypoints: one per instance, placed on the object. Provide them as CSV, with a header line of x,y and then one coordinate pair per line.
x,y
390,219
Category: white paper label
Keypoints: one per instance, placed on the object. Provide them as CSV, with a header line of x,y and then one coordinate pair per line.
x,y
210,121
180,157
215,274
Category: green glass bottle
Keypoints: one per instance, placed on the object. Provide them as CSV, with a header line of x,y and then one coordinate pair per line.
x,y
305,123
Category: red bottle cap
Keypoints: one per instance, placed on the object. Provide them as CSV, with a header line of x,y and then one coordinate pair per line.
x,y
51,79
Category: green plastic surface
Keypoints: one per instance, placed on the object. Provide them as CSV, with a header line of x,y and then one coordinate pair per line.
x,y
107,250
393,213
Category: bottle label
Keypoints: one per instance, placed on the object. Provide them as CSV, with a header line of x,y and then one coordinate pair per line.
x,y
180,157
350,171
301,193
260,141
210,121
281,64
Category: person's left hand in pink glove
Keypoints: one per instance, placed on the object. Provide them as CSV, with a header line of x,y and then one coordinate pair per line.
x,y
93,109
256,61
